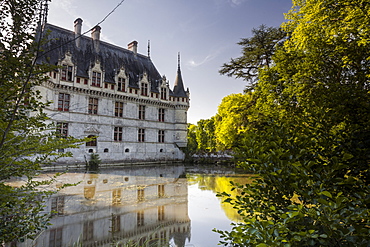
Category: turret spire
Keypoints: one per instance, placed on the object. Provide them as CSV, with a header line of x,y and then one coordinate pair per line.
x,y
178,89
148,48
178,60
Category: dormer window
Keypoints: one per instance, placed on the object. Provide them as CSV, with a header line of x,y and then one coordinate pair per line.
x,y
144,89
163,93
67,73
121,84
96,79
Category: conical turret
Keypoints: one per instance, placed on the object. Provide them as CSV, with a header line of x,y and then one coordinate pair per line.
x,y
178,89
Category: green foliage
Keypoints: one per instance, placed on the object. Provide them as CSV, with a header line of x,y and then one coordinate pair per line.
x,y
256,53
27,139
201,137
232,119
309,141
205,135
192,139
94,162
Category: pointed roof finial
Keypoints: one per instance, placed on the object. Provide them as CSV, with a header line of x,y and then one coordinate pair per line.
x,y
148,48
178,60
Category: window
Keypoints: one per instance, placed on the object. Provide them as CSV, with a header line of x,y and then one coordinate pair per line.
x,y
62,129
161,136
88,230
93,106
161,115
116,196
142,112
141,135
93,141
140,218
57,205
117,134
55,237
116,223
161,190
67,73
144,89
121,84
118,109
163,93
160,213
63,102
140,195
96,79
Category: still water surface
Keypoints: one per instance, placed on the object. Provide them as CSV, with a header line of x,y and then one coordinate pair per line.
x,y
140,206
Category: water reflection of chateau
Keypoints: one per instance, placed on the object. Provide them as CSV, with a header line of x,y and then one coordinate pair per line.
x,y
138,206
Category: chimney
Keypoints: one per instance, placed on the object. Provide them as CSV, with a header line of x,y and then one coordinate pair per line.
x,y
133,47
78,28
95,35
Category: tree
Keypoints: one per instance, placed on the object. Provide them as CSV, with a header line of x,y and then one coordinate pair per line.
x,y
310,143
205,135
256,53
232,118
192,139
27,140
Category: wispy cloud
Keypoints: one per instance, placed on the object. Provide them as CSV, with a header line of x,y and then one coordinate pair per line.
x,y
194,63
236,2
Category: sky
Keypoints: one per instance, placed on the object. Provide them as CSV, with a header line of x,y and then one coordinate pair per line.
x,y
205,32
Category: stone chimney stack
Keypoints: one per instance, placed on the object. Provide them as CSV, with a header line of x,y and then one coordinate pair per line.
x,y
95,35
78,28
133,46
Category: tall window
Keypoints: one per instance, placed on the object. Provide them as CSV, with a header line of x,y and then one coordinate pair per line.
x,y
140,194
116,196
118,109
62,129
93,106
88,230
161,115
116,223
163,93
96,79
141,135
141,111
57,205
56,237
160,213
144,89
161,190
121,84
93,141
117,134
140,218
67,73
161,136
63,102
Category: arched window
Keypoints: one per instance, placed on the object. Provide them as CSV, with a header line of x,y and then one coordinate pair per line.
x,y
92,142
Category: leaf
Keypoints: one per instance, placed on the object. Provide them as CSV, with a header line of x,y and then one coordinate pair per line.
x,y
326,193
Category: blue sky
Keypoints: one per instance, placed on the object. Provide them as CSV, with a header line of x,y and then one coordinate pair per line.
x,y
205,32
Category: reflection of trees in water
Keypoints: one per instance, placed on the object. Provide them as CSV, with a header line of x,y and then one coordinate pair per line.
x,y
219,184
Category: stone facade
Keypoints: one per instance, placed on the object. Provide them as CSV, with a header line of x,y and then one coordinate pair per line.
x,y
114,94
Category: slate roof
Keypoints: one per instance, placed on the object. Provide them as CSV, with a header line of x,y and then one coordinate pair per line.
x,y
111,57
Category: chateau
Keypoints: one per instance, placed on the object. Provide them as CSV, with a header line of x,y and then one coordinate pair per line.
x,y
115,96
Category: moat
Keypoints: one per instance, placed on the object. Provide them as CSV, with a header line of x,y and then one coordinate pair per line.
x,y
168,205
